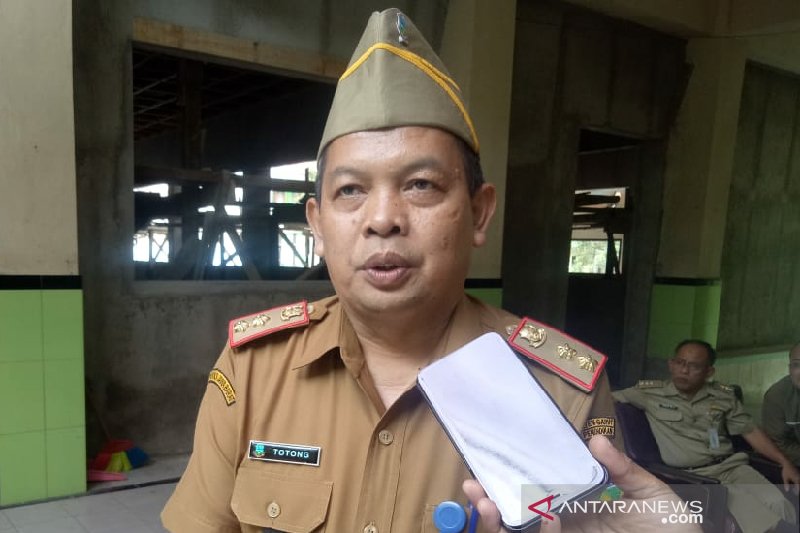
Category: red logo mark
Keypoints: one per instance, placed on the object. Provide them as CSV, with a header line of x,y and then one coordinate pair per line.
x,y
549,501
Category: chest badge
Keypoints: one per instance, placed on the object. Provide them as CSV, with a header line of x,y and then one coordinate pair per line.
x,y
669,406
278,452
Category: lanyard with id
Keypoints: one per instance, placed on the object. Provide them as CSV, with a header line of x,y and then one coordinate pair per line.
x,y
713,438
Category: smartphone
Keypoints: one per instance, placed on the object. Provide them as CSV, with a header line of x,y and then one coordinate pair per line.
x,y
510,433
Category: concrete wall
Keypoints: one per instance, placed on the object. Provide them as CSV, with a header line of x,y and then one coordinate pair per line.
x,y
703,220
37,180
708,225
573,70
42,433
700,161
761,258
151,344
478,48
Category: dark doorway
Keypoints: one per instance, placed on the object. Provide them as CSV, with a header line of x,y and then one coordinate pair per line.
x,y
608,168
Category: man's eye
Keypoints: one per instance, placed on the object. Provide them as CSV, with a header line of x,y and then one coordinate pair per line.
x,y
347,190
421,185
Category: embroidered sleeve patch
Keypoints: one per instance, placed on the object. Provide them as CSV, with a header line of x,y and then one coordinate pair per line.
x,y
599,426
221,381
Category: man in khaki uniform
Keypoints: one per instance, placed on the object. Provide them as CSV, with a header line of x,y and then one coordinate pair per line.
x,y
692,421
311,420
780,412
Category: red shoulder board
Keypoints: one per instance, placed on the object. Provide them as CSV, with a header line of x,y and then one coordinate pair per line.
x,y
576,362
247,328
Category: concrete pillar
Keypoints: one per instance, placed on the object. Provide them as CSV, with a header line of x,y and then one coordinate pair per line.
x,y
478,49
700,162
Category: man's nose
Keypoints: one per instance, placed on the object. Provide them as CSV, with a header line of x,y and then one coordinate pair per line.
x,y
386,214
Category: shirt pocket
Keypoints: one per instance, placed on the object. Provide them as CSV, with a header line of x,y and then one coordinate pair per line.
x,y
264,499
666,415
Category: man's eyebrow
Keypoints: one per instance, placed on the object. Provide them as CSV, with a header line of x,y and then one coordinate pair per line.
x,y
422,163
344,170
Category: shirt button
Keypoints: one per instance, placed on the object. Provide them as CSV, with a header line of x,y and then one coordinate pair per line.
x,y
385,437
273,510
370,528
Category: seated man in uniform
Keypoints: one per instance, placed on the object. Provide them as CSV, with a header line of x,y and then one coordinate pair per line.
x,y
692,420
780,413
311,419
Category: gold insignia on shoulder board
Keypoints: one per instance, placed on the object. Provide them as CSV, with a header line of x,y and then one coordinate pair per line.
x,y
258,325
221,381
587,363
260,320
565,351
576,362
291,311
534,336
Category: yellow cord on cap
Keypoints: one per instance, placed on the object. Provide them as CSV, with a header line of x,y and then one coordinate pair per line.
x,y
441,79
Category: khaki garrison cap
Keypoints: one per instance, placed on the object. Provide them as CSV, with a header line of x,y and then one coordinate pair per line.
x,y
395,79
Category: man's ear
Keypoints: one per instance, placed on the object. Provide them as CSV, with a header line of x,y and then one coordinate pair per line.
x,y
312,216
484,202
710,372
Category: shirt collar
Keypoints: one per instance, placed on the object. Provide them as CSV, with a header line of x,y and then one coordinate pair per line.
x,y
670,390
331,331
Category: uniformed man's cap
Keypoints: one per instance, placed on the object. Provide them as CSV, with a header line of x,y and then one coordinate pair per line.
x,y
395,79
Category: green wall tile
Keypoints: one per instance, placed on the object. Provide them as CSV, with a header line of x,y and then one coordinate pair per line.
x,y
659,341
489,296
681,304
672,304
62,324
706,332
63,394
66,461
22,468
659,306
20,325
21,397
706,312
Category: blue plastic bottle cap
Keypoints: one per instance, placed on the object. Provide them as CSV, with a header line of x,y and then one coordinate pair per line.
x,y
449,517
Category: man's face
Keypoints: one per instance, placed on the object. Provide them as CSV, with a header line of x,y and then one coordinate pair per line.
x,y
690,368
794,366
395,221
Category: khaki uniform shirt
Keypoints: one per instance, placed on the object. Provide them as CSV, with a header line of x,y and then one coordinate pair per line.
x,y
780,416
689,433
380,470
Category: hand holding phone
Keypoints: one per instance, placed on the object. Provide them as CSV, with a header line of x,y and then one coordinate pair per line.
x,y
508,430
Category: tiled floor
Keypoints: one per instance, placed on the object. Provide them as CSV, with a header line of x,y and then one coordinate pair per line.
x,y
122,511
131,506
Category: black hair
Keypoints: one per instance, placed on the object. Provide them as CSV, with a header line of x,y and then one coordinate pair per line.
x,y
472,168
793,348
710,351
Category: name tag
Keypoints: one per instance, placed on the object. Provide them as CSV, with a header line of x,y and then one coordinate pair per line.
x,y
284,453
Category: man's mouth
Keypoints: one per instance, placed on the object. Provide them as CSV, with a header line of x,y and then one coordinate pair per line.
x,y
385,261
386,269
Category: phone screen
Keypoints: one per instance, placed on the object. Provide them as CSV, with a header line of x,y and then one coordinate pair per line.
x,y
508,430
